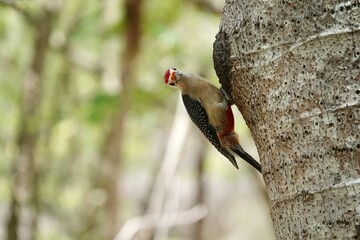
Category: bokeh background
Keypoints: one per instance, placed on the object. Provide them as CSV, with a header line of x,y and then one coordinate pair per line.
x,y
94,145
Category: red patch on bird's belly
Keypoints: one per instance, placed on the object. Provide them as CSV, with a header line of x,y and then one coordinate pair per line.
x,y
229,123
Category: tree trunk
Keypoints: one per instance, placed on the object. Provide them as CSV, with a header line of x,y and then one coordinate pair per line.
x,y
293,69
25,200
113,147
200,192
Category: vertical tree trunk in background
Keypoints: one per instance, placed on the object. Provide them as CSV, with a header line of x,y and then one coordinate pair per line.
x,y
24,207
200,193
113,153
293,69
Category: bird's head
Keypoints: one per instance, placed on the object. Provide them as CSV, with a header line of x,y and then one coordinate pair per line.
x,y
172,77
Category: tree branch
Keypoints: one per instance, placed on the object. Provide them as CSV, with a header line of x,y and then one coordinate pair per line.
x,y
207,6
19,8
162,220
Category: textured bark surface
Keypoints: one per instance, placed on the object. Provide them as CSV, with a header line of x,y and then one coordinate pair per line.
x,y
293,69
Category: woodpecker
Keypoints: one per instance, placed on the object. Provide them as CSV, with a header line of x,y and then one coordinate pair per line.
x,y
209,108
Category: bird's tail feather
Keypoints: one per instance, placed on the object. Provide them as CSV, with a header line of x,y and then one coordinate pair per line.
x,y
230,157
249,159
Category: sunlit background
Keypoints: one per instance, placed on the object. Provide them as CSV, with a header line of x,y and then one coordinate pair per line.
x,y
95,146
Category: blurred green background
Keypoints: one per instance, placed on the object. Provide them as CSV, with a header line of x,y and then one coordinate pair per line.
x,y
94,145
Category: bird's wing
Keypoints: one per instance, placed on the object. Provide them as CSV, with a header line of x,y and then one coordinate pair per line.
x,y
199,116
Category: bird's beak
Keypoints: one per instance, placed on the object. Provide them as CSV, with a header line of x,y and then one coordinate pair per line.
x,y
177,75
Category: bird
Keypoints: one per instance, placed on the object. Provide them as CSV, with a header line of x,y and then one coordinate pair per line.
x,y
210,109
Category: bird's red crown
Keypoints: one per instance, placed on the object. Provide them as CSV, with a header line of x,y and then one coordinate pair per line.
x,y
166,76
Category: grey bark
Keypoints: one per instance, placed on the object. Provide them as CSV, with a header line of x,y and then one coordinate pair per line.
x,y
293,69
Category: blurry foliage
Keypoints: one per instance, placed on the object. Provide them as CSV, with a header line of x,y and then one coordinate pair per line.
x,y
99,107
77,103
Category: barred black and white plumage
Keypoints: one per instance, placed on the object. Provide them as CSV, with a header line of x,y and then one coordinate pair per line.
x,y
199,116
